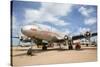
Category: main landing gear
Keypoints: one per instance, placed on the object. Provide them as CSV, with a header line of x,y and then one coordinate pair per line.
x,y
78,46
44,47
70,46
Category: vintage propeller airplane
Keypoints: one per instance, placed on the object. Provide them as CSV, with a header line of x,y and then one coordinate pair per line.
x,y
36,34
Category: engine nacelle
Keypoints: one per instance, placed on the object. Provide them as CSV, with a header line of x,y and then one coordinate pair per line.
x,y
25,39
87,34
66,37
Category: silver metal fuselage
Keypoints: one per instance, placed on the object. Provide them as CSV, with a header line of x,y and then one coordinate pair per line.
x,y
33,31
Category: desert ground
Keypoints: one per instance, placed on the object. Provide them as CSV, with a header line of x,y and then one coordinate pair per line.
x,y
53,55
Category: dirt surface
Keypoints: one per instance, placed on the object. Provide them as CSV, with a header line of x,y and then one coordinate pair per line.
x,y
52,56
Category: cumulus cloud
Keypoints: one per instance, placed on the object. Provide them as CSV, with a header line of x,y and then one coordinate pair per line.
x,y
15,26
90,21
49,13
56,9
14,22
83,30
32,15
86,11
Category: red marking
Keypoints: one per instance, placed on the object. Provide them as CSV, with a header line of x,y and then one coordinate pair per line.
x,y
33,29
48,33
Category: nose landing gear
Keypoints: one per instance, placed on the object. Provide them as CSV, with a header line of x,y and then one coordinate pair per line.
x,y
29,52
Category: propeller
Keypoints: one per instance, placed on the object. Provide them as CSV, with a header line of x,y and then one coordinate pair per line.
x,y
87,34
66,37
19,37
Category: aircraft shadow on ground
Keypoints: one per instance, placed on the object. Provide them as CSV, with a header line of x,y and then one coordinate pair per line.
x,y
35,51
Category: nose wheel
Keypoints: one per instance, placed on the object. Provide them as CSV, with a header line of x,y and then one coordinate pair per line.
x,y
29,52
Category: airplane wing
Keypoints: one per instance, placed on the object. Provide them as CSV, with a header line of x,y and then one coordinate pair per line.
x,y
82,36
23,39
15,37
76,37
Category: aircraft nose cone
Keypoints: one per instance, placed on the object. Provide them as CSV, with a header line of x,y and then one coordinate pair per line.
x,y
25,28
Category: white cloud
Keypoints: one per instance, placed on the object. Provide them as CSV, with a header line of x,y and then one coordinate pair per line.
x,y
54,20
36,16
14,22
15,26
32,15
56,9
86,11
83,30
90,21
48,12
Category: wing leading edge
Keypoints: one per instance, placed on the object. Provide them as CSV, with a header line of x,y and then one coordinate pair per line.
x,y
76,37
82,36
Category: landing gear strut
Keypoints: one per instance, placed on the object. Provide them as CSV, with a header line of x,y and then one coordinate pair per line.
x,y
44,47
78,46
87,45
29,52
70,46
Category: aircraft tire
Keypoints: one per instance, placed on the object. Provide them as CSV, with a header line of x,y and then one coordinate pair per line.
x,y
87,45
70,47
77,47
44,47
29,52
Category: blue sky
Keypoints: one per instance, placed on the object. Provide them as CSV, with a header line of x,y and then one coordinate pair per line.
x,y
70,19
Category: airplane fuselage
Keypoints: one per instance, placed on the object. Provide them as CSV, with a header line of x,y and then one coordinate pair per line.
x,y
38,33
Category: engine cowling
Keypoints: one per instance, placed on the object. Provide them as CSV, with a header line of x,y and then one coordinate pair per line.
x,y
66,37
25,39
87,34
